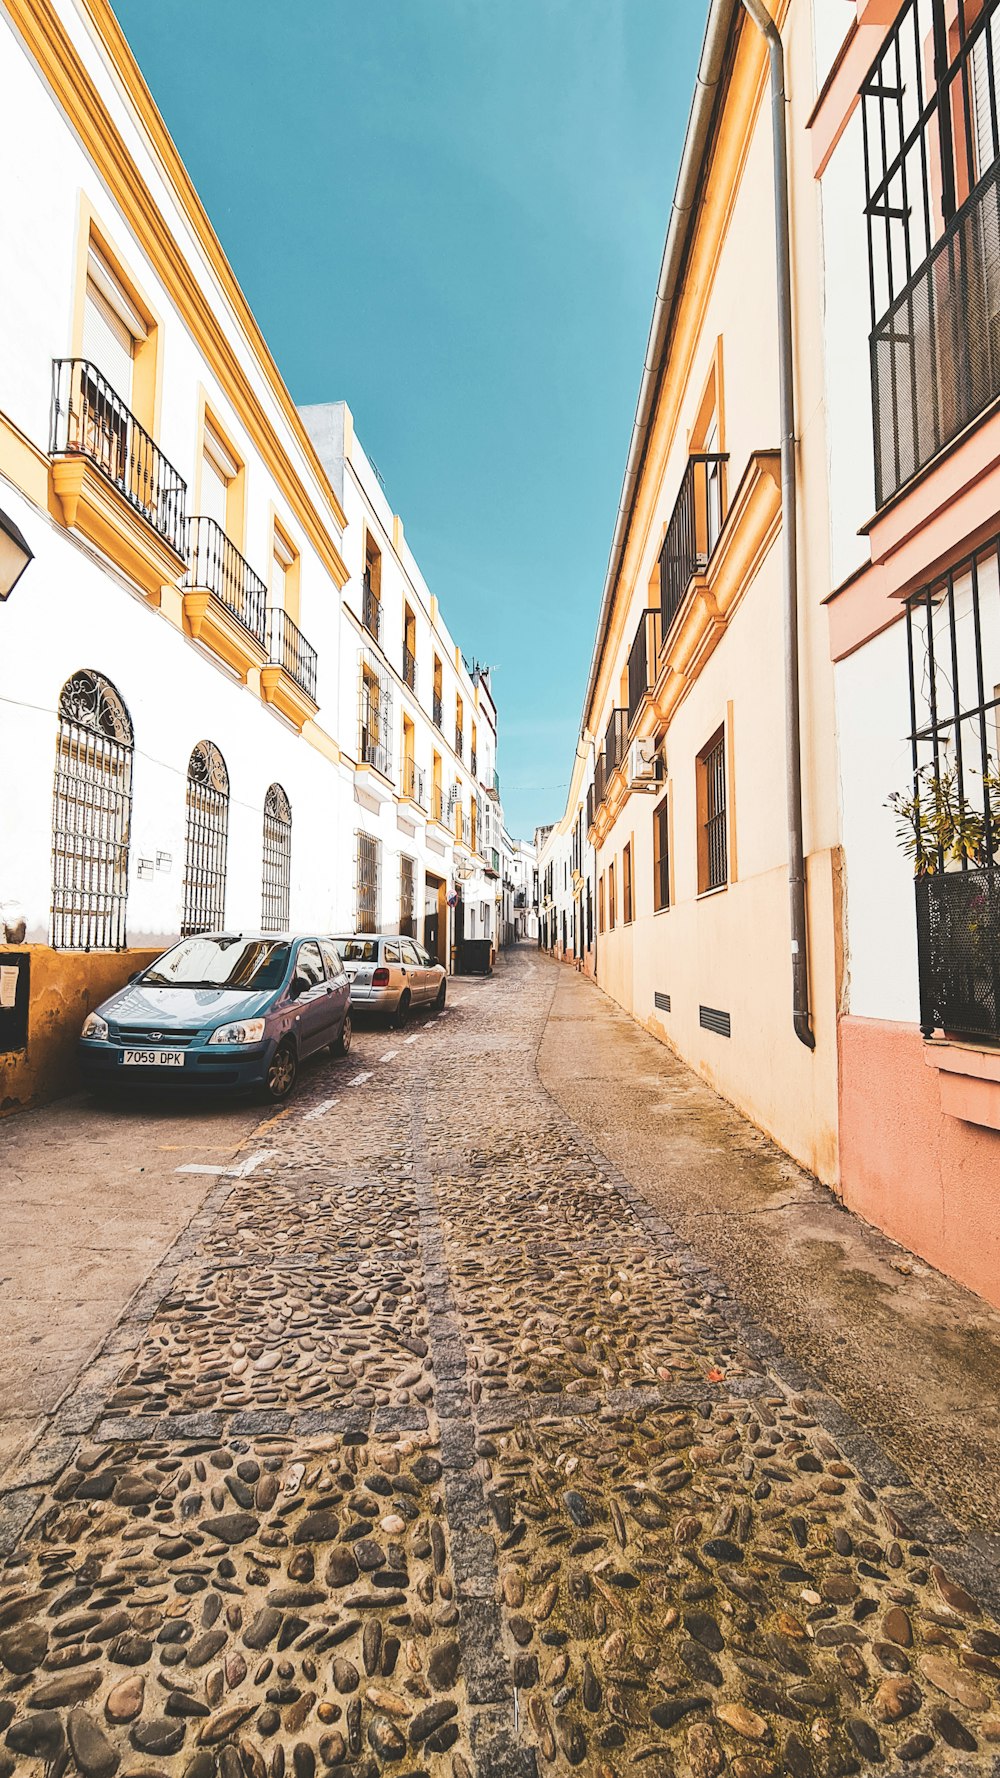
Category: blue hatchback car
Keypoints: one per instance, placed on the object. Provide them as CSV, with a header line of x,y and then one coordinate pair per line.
x,y
223,1009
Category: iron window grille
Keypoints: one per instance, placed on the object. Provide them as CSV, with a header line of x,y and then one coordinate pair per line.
x,y
409,668
414,783
375,715
288,649
612,898
627,907
693,532
952,821
932,190
459,739
88,419
369,882
277,860
371,607
206,841
716,847
590,806
661,856
615,743
406,895
216,564
91,816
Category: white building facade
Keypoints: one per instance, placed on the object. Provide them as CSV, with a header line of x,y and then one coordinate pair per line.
x,y
202,721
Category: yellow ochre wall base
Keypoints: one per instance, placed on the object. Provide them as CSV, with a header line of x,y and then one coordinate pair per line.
x,y
65,986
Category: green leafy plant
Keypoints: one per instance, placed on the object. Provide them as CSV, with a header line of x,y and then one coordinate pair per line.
x,y
937,825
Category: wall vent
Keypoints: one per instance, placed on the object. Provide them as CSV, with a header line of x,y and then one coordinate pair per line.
x,y
662,1002
711,1019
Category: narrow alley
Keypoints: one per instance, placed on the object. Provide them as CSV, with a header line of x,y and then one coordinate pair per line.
x,y
466,1429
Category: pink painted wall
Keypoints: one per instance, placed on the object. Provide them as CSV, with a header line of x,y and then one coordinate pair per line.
x,y
929,1180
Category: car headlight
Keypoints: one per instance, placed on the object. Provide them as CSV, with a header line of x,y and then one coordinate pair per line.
x,y
95,1028
244,1031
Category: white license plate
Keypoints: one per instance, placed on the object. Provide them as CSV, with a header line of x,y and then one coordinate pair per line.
x,y
153,1058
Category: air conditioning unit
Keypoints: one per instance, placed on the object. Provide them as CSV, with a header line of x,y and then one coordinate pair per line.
x,y
645,765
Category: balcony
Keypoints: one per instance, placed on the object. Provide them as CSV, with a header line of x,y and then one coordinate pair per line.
x,y
958,947
642,660
692,533
414,788
591,807
935,356
409,668
600,781
371,608
436,711
473,761
112,481
288,681
437,805
459,740
615,744
224,601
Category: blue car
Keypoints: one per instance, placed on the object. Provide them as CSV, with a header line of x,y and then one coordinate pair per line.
x,y
223,1009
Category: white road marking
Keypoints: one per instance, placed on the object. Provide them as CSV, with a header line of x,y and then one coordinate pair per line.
x,y
414,1039
319,1111
390,1056
359,1079
251,1163
196,1167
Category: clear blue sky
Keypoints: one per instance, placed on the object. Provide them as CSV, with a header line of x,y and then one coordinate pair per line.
x,y
451,214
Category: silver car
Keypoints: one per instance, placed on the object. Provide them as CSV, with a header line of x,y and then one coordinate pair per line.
x,y
391,974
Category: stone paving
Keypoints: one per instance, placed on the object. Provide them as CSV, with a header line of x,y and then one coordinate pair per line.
x,y
430,1451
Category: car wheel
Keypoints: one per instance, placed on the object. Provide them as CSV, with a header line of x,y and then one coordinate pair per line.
x,y
281,1074
401,1016
441,996
342,1044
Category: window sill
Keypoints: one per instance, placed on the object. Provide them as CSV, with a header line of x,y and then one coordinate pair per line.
x,y
968,1080
706,894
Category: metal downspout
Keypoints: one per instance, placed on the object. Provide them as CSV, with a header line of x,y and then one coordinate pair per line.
x,y
789,527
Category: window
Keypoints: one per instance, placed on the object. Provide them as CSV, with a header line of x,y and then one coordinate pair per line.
x,y
112,325
474,752
409,648
371,591
601,919
590,917
612,899
206,841
407,873
713,851
459,730
309,964
627,910
331,957
411,955
220,473
375,716
932,170
661,857
91,816
369,866
285,576
437,789
277,860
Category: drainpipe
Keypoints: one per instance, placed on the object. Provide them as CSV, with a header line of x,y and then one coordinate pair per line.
x,y
793,739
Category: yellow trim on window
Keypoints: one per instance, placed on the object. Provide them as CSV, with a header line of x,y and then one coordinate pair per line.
x,y
236,491
147,383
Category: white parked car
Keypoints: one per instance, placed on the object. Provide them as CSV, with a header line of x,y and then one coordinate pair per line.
x,y
391,974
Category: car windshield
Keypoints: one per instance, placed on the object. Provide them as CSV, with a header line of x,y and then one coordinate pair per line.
x,y
221,962
358,950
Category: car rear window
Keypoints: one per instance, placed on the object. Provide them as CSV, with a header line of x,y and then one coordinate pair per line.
x,y
359,950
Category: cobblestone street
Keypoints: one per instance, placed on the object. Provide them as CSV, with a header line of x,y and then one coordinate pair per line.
x,y
430,1449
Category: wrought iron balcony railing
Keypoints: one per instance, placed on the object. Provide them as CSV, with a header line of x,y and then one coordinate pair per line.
x,y
459,740
935,356
409,668
642,661
373,750
371,608
89,419
217,566
289,649
615,742
590,807
473,762
414,784
693,531
436,710
958,948
600,779
437,804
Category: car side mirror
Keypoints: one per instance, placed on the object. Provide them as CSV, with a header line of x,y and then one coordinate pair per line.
x,y
299,985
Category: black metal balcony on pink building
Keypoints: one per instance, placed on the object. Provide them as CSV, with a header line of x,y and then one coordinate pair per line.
x,y
89,419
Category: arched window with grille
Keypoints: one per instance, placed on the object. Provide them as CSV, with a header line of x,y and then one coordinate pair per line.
x,y
277,860
206,841
91,816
